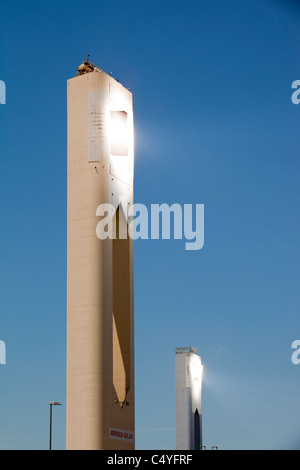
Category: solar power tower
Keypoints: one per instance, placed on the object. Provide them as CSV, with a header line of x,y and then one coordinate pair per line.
x,y
188,385
100,330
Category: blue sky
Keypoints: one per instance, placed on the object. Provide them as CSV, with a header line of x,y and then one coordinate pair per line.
x,y
214,124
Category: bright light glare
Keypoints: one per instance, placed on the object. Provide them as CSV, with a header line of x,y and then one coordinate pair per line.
x,y
118,133
196,369
194,372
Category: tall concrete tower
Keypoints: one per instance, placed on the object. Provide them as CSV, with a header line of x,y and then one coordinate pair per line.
x,y
188,384
100,342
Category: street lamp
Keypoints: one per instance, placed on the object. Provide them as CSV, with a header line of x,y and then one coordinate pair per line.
x,y
51,404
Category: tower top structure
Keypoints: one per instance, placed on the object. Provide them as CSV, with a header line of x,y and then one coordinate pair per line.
x,y
186,349
87,66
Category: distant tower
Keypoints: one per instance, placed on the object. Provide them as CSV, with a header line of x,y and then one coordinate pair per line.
x,y
188,383
100,343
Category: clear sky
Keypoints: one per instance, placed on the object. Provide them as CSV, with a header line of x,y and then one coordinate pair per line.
x,y
214,124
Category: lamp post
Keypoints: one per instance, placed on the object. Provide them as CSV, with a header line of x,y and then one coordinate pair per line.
x,y
51,404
